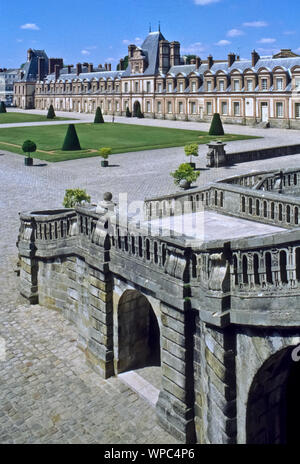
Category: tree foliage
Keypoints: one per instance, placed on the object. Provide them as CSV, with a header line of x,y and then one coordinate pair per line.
x,y
105,152
51,112
185,171
74,197
98,116
128,113
29,147
71,142
216,127
191,150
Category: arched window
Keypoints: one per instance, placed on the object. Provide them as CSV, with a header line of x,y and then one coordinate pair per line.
x,y
296,213
265,209
243,205
268,263
235,270
155,253
280,212
257,208
272,210
194,266
295,179
163,254
140,247
283,271
250,205
298,264
147,249
126,242
288,214
133,245
245,270
255,267
216,198
221,199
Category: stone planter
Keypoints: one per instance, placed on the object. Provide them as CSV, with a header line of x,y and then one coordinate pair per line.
x,y
184,184
28,161
104,163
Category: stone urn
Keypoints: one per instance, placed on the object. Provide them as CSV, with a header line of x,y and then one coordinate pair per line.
x,y
184,184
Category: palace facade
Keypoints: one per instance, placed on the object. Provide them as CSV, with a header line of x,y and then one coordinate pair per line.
x,y
262,89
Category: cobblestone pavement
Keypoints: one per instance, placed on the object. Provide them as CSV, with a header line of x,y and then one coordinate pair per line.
x,y
47,392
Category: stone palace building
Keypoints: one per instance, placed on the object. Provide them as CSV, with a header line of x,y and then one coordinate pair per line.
x,y
158,80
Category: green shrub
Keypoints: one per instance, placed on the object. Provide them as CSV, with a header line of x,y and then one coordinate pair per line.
x,y
51,112
185,171
29,147
2,107
128,113
74,197
139,114
98,116
216,127
191,150
105,152
71,142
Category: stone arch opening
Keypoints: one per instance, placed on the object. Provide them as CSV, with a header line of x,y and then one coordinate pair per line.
x,y
136,109
138,333
273,406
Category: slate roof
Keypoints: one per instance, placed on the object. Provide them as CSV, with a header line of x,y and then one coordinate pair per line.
x,y
150,48
30,68
65,77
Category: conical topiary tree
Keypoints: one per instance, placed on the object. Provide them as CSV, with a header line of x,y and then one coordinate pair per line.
x,y
128,113
139,114
216,127
51,112
71,142
98,116
2,107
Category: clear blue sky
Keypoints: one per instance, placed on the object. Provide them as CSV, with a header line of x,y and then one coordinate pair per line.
x,y
99,31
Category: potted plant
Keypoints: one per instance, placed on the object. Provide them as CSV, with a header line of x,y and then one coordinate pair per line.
x,y
104,153
74,197
185,175
191,150
28,147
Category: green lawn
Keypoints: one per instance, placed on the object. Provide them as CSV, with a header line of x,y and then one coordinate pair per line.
x,y
120,137
11,117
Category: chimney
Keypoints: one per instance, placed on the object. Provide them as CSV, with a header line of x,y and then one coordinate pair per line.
x,y
131,49
105,66
121,65
70,66
174,54
90,68
22,75
29,54
41,68
231,59
255,58
109,66
238,58
78,69
210,61
56,70
198,62
85,64
100,66
52,62
164,56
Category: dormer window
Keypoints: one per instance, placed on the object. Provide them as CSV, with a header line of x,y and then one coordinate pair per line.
x,y
209,86
236,85
193,86
249,85
297,84
170,87
159,87
264,84
279,83
126,87
221,86
180,86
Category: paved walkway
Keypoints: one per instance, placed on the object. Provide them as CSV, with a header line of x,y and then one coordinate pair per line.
x,y
47,393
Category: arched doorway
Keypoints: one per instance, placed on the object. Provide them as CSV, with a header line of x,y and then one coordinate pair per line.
x,y
136,109
138,333
273,407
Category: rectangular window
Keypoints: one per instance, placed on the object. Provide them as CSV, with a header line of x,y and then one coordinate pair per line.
x,y
264,84
250,85
148,107
148,87
109,105
159,107
279,110
193,86
297,110
159,87
181,87
224,108
279,83
221,86
236,109
297,84
136,86
125,87
193,108
170,87
169,107
180,107
209,107
209,86
236,85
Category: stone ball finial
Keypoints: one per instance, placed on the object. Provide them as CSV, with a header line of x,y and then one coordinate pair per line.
x,y
107,196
